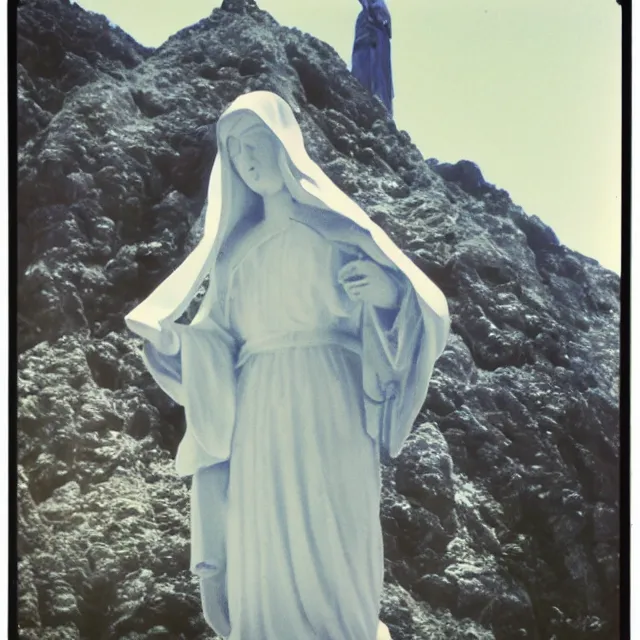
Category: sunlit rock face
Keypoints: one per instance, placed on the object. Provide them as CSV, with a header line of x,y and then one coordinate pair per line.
x,y
500,517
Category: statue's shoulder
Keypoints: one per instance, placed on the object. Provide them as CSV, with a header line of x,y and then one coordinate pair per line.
x,y
333,230
308,231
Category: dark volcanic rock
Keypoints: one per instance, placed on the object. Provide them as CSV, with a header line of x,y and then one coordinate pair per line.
x,y
61,47
464,173
500,516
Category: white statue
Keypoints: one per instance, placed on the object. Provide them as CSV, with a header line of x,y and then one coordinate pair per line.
x,y
311,351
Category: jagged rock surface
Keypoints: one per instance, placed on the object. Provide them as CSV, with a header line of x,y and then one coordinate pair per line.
x,y
464,173
500,517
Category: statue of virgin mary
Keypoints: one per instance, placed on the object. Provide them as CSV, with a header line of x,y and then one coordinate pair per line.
x,y
371,56
310,354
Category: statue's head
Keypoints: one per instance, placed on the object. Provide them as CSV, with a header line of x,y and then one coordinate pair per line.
x,y
255,154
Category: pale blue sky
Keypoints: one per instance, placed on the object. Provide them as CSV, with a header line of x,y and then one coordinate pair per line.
x,y
530,90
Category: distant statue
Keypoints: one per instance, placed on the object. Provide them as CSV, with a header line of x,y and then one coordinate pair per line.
x,y
311,353
371,58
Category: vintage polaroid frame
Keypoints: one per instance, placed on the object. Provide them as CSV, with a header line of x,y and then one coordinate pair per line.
x,y
500,513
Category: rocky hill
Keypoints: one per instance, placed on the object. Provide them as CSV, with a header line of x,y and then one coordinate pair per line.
x,y
501,515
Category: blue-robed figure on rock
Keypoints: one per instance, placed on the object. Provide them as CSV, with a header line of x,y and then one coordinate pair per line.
x,y
371,58
310,354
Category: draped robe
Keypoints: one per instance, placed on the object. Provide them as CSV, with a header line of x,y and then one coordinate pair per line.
x,y
287,537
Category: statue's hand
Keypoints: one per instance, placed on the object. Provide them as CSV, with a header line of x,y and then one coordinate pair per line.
x,y
367,281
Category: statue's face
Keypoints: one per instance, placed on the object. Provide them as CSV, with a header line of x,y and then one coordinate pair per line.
x,y
254,154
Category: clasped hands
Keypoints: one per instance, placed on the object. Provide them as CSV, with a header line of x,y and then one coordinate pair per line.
x,y
366,281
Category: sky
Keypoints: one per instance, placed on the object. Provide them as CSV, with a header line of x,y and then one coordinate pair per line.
x,y
529,90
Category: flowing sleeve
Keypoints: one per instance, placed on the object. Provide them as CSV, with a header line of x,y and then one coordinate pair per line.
x,y
399,352
165,364
198,372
